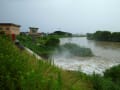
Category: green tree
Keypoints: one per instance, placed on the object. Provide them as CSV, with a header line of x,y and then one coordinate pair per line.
x,y
90,36
102,35
115,36
53,42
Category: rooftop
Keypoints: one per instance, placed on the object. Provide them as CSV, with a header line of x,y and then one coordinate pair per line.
x,y
33,28
9,24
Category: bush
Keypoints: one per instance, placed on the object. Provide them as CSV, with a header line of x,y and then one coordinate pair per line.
x,y
102,35
110,80
11,66
115,36
114,74
101,83
21,71
90,36
53,42
75,50
43,46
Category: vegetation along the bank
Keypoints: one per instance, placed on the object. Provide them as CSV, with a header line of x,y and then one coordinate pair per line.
x,y
75,50
43,46
61,34
104,36
21,71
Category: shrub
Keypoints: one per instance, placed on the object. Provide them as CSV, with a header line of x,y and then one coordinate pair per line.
x,y
102,35
75,50
114,74
90,36
115,36
43,46
101,83
11,66
52,42
110,80
21,71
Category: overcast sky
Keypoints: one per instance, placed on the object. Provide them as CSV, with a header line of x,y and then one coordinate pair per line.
x,y
76,16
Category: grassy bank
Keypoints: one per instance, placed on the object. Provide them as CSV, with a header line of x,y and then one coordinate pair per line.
x,y
21,71
43,46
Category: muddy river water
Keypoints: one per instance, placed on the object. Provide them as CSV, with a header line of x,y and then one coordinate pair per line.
x,y
107,54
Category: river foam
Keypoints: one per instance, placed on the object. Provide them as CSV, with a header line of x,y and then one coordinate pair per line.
x,y
107,54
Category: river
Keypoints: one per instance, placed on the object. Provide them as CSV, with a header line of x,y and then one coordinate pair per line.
x,y
107,54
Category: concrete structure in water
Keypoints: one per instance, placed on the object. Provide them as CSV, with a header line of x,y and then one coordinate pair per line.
x,y
10,28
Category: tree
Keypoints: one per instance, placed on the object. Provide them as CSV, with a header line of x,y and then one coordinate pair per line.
x,y
102,35
90,36
115,36
52,42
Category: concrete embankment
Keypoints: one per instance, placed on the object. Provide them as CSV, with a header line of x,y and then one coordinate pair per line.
x,y
33,53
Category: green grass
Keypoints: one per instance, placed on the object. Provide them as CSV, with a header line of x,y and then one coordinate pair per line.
x,y
43,46
21,71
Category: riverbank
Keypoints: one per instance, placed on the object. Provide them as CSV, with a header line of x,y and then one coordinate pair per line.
x,y
47,45
43,46
21,71
33,53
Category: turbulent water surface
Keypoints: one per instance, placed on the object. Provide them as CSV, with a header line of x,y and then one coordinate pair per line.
x,y
107,54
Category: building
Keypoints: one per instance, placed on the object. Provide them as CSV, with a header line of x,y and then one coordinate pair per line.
x,y
33,31
10,28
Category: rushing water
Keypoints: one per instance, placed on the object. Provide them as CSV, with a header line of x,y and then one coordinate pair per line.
x,y
107,54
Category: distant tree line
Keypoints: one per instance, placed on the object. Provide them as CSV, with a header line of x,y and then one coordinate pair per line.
x,y
104,36
61,33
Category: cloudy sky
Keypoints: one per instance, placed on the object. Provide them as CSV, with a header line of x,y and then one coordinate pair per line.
x,y
76,16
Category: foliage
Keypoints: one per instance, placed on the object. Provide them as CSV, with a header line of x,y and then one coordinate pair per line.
x,y
104,36
11,67
115,37
90,36
61,34
21,71
53,42
114,74
101,83
76,50
110,80
43,46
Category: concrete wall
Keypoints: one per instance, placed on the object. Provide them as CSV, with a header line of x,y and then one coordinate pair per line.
x,y
8,29
15,30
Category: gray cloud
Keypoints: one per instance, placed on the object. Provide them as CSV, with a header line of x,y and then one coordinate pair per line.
x,y
77,16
